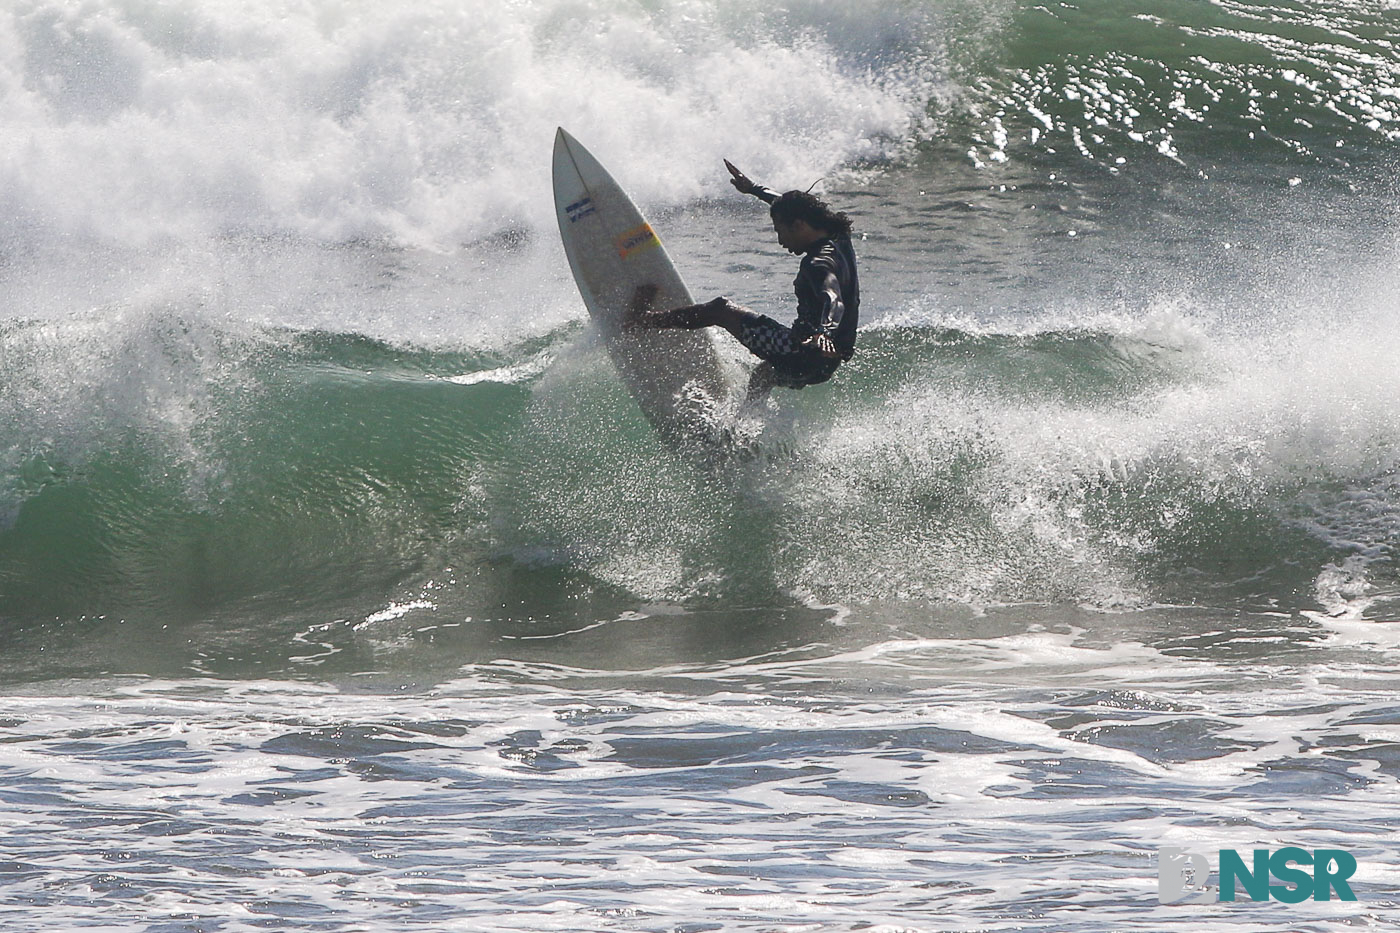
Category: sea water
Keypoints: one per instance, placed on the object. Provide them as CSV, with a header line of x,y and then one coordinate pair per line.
x,y
343,587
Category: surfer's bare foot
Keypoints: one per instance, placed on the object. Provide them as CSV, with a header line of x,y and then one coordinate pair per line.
x,y
639,311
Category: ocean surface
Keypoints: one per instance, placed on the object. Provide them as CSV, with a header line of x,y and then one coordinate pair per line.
x,y
344,588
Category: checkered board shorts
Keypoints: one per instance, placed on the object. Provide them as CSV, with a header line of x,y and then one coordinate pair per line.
x,y
768,340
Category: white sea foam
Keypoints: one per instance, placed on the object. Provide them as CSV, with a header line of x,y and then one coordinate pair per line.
x,y
425,123
1217,410
816,792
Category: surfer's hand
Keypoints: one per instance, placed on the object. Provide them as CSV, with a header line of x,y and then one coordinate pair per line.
x,y
740,180
822,344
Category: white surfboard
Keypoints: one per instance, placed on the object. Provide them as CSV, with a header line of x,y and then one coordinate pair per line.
x,y
675,376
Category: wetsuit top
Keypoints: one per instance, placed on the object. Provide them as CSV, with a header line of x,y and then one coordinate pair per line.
x,y
827,287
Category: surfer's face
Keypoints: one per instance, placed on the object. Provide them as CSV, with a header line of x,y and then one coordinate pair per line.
x,y
796,236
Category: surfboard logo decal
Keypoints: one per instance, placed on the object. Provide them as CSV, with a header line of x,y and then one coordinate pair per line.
x,y
581,208
636,240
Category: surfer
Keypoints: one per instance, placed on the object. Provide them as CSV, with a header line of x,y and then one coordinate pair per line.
x,y
828,297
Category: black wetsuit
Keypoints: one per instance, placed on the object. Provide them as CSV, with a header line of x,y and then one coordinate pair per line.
x,y
828,302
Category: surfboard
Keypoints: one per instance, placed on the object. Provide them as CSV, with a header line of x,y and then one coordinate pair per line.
x,y
675,376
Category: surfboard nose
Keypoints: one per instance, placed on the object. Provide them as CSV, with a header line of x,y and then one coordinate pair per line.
x,y
563,143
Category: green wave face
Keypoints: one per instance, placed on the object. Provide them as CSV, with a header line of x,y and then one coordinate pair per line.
x,y
315,475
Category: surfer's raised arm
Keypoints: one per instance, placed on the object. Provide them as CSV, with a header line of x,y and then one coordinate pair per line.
x,y
746,185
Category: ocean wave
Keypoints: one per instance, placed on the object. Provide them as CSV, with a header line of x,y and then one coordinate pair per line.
x,y
1106,467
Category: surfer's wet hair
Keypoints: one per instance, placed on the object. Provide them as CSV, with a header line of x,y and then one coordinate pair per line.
x,y
802,205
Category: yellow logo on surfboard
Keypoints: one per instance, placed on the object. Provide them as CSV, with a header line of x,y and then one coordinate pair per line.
x,y
636,240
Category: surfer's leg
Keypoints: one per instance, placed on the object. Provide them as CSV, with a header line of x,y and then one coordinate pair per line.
x,y
765,338
785,362
690,317
720,312
761,383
